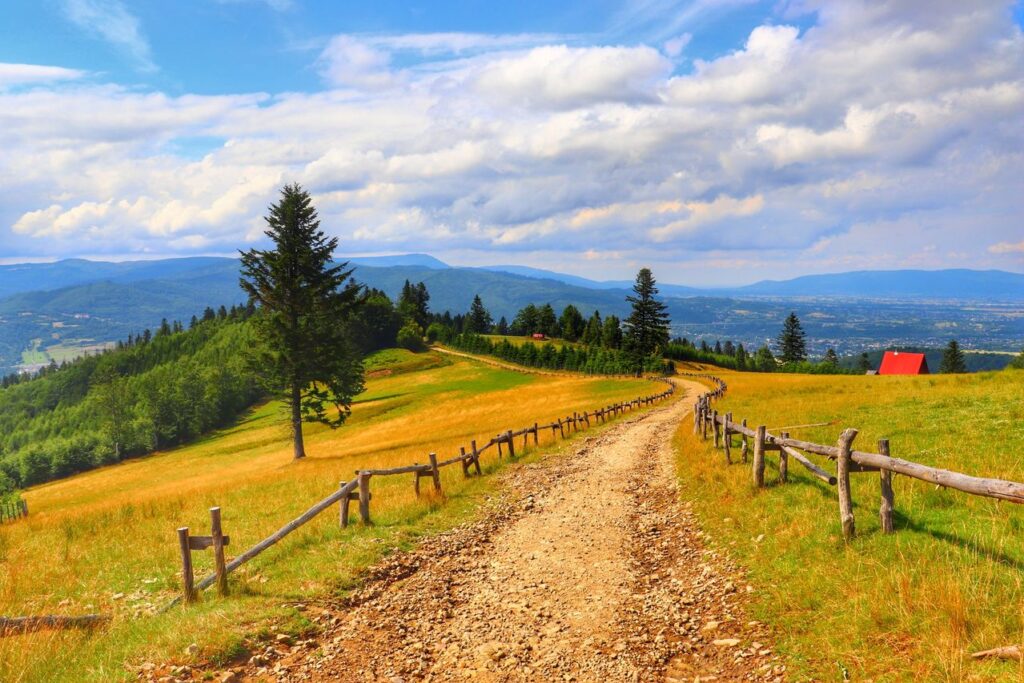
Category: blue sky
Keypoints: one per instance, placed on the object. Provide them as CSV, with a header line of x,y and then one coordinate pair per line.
x,y
717,141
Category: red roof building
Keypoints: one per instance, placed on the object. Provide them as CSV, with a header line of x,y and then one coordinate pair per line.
x,y
903,363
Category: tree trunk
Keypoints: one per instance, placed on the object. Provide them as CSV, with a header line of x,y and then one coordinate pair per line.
x,y
296,401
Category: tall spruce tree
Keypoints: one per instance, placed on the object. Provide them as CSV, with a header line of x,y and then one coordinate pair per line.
x,y
571,323
953,359
792,341
479,319
305,302
647,325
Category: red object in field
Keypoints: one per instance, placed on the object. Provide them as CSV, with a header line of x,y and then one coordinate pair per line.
x,y
903,363
538,335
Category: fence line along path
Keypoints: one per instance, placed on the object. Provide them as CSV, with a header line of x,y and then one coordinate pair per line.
x,y
357,490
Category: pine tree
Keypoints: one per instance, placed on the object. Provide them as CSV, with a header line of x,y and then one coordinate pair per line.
x,y
729,348
647,326
864,364
592,332
305,302
525,322
413,303
478,320
502,326
764,361
546,322
718,347
831,358
571,323
792,341
953,359
611,333
741,357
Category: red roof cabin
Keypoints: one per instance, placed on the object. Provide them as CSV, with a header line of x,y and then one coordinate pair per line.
x,y
903,363
539,336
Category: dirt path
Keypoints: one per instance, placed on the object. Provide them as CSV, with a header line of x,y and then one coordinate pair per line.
x,y
586,569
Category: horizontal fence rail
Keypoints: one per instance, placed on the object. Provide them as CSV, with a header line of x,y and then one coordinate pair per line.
x,y
358,490
847,460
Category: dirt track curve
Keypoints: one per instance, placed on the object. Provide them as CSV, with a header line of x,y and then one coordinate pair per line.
x,y
587,568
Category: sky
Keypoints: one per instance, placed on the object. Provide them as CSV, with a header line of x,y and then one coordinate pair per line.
x,y
718,142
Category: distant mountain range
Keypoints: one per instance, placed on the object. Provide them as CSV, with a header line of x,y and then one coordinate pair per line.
x,y
77,303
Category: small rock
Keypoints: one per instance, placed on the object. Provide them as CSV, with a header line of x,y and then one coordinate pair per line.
x,y
726,642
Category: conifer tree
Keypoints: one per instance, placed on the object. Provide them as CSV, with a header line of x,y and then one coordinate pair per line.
x,y
611,333
953,359
792,341
571,323
479,319
864,364
831,358
305,302
547,323
647,326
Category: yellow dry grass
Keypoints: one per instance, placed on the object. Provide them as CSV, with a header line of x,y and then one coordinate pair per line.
x,y
105,541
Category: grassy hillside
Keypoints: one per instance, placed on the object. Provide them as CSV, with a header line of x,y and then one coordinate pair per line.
x,y
104,541
910,606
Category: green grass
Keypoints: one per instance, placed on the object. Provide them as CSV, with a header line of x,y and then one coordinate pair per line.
x,y
112,531
910,606
34,355
519,341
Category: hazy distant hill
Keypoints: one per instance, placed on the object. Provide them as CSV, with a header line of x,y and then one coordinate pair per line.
x,y
107,301
895,284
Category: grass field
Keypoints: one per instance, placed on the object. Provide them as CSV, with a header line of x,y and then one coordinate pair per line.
x,y
910,606
105,541
519,341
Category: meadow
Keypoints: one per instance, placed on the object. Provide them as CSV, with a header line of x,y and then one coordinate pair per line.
x,y
908,606
104,541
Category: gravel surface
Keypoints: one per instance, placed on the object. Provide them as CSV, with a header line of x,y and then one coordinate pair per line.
x,y
586,567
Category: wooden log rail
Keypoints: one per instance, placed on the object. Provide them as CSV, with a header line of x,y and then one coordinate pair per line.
x,y
12,625
847,461
358,490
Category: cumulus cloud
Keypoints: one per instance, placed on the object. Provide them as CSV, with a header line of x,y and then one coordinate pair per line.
x,y
852,142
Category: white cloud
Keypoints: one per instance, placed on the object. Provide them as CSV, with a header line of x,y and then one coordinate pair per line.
x,y
110,20
1007,248
22,74
852,143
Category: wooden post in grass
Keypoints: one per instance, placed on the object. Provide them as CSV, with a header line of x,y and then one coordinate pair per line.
x,y
696,416
704,425
536,434
727,437
497,440
511,445
464,461
885,510
746,442
187,577
784,462
715,426
217,535
363,479
343,506
435,472
476,456
758,467
561,431
843,483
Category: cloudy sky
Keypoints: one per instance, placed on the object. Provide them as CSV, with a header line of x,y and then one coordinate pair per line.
x,y
717,141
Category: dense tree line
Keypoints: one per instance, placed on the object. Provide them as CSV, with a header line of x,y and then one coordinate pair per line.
x,y
154,391
588,359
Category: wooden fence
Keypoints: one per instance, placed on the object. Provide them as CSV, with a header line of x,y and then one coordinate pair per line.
x,y
358,490
13,509
755,442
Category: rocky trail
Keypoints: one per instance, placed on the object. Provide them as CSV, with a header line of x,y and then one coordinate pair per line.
x,y
586,568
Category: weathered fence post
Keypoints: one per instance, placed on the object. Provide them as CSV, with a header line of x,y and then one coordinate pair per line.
x,y
561,431
217,534
511,445
704,421
343,505
727,437
696,417
497,440
716,427
476,456
536,434
187,577
758,467
464,461
746,441
885,476
783,461
435,472
843,483
363,479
